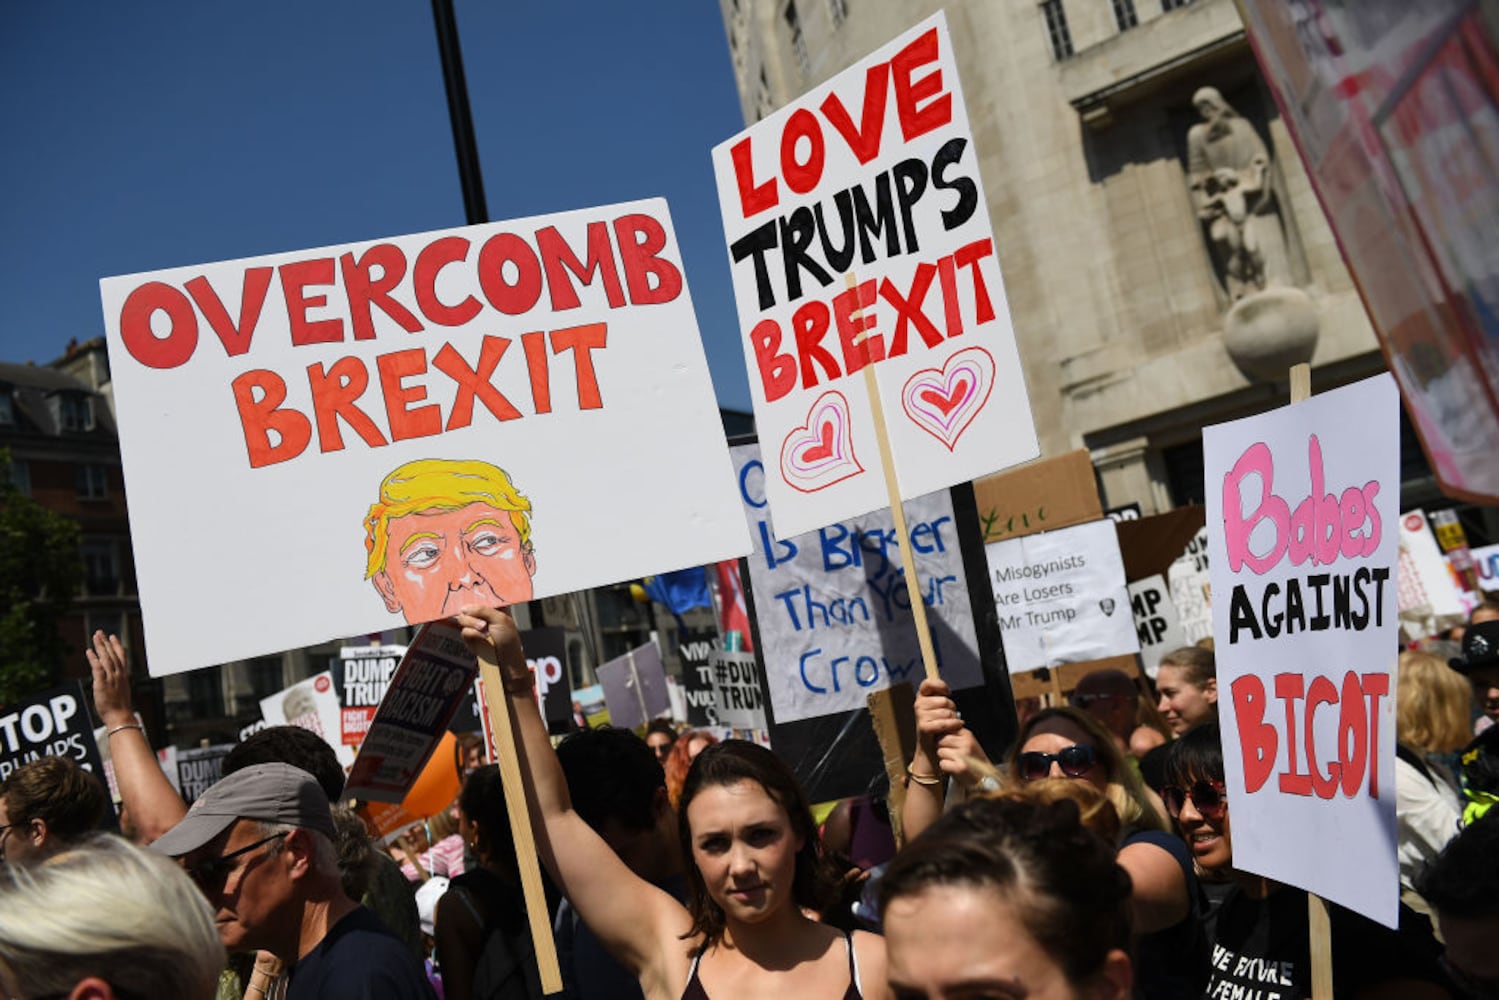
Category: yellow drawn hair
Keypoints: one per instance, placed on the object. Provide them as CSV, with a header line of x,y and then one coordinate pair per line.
x,y
440,484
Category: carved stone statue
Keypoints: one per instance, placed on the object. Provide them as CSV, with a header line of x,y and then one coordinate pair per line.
x,y
1228,168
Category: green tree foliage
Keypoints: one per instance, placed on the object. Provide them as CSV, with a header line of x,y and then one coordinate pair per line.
x,y
41,568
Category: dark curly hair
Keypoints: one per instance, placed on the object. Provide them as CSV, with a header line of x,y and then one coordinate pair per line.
x,y
1063,881
729,763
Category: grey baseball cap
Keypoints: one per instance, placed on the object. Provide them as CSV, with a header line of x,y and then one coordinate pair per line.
x,y
268,793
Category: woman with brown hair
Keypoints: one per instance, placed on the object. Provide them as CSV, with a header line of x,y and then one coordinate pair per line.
x,y
752,847
683,752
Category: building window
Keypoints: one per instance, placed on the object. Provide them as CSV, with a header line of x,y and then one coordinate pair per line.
x,y
1056,29
101,566
7,406
1184,472
266,676
839,10
798,43
93,482
763,105
205,696
1124,14
75,412
19,474
1173,4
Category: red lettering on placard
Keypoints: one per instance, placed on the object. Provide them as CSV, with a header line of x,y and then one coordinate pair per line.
x,y
641,239
334,395
969,256
235,338
1321,692
864,141
753,198
295,279
405,421
510,298
802,176
538,366
429,264
777,369
810,325
366,290
853,316
918,121
582,341
475,383
1257,738
135,325
259,418
908,310
1289,688
559,260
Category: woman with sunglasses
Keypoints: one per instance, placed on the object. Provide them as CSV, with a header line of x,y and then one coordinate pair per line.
x,y
1260,924
1066,743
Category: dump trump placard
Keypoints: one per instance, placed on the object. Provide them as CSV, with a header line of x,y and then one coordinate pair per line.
x,y
858,234
359,437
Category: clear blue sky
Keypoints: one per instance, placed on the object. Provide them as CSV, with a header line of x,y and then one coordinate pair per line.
x,y
141,136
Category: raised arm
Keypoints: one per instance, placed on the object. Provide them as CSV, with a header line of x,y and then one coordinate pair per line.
x,y
936,717
145,790
638,922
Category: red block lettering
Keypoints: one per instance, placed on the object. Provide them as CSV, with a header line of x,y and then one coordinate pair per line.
x,y
475,384
365,290
1257,738
429,264
583,341
236,339
969,257
406,422
558,259
802,177
1322,692
523,294
333,395
852,320
259,417
810,324
295,277
753,198
641,238
909,93
908,310
135,326
863,141
777,369
1289,689
539,367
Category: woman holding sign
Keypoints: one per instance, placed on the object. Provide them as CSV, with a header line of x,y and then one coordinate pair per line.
x,y
746,827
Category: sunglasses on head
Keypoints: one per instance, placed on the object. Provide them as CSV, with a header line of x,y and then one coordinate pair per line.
x,y
1207,798
1075,761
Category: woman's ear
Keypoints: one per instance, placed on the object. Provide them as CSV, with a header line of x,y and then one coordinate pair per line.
x,y
1210,690
1116,979
92,988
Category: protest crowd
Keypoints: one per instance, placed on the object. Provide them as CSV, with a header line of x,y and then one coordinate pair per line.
x,y
1057,872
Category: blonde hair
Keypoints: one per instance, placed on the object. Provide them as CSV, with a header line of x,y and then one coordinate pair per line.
x,y
1431,704
1126,792
1198,661
1094,808
440,484
110,909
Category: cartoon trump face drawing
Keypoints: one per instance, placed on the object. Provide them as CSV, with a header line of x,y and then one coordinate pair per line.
x,y
445,534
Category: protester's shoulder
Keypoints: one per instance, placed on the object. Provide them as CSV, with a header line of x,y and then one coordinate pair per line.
x,y
360,960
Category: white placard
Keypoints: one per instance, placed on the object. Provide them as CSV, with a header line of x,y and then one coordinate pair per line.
x,y
312,705
1061,597
833,609
1156,623
736,690
1303,544
871,176
1191,589
1486,562
1429,598
399,427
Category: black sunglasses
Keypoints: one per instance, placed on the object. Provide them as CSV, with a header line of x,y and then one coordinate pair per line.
x,y
1075,761
1207,797
210,875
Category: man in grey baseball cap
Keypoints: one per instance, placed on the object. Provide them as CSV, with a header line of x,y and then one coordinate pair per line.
x,y
259,844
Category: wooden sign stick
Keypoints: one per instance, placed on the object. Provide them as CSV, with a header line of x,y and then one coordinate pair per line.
x,y
526,856
1319,924
892,488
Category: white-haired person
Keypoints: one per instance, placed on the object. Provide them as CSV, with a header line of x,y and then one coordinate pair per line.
x,y
105,919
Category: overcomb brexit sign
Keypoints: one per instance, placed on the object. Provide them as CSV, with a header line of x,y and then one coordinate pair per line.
x,y
1302,541
397,428
859,234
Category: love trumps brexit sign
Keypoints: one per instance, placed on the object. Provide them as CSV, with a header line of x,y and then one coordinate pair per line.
x,y
1302,548
347,439
859,234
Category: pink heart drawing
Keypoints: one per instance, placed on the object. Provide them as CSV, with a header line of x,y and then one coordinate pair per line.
x,y
820,453
944,402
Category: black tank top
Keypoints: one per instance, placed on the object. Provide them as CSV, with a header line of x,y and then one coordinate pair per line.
x,y
695,991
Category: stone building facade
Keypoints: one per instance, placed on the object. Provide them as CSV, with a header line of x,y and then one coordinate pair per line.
x,y
1119,226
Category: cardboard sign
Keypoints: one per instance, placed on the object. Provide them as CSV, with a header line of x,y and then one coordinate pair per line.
x,y
1042,496
635,687
199,769
858,233
430,682
1156,623
364,672
54,723
1192,589
737,696
311,704
382,422
1061,597
1302,538
833,608
695,647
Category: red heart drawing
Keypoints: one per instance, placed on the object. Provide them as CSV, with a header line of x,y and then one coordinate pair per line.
x,y
943,402
820,452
